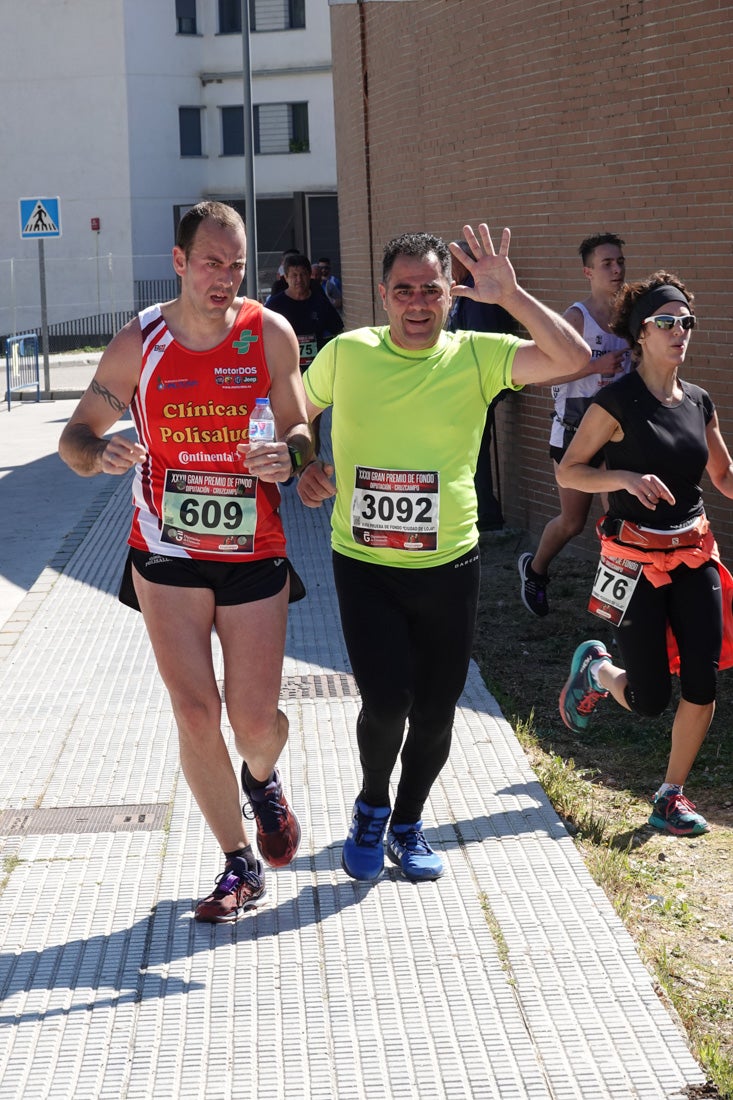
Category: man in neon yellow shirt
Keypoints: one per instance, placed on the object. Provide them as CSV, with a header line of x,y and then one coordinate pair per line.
x,y
409,404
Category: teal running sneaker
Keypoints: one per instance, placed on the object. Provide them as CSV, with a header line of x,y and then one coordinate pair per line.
x,y
362,856
674,813
408,848
579,697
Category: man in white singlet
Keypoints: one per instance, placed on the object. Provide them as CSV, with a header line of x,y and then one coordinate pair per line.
x,y
604,266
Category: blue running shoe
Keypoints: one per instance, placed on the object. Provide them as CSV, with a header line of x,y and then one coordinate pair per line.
x,y
579,697
408,848
362,856
674,813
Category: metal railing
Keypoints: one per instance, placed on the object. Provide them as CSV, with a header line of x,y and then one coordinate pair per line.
x,y
21,365
87,327
150,291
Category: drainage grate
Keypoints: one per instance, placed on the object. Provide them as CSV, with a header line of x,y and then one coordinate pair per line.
x,y
83,819
329,685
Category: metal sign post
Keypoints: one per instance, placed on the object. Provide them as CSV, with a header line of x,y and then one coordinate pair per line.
x,y
41,218
44,317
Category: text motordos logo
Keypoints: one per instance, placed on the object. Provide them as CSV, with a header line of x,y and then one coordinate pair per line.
x,y
235,376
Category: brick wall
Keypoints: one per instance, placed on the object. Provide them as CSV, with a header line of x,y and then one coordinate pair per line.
x,y
559,120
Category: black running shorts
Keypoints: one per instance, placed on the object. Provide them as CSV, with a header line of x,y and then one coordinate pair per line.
x,y
231,582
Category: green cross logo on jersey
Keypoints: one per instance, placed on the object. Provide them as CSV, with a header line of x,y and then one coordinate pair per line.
x,y
245,340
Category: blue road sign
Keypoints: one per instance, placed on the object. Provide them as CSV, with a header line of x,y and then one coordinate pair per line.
x,y
40,218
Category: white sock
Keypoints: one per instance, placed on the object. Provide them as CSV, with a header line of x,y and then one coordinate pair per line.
x,y
593,673
666,788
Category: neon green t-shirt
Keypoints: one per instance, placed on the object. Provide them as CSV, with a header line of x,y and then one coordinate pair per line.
x,y
406,432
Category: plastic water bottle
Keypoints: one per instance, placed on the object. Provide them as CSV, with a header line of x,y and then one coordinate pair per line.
x,y
261,422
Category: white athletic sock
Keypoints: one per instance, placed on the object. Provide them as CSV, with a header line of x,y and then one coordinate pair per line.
x,y
666,788
593,673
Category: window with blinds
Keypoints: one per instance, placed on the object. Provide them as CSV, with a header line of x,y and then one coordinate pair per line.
x,y
281,128
186,16
264,15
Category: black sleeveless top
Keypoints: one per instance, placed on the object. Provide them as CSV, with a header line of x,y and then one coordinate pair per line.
x,y
668,442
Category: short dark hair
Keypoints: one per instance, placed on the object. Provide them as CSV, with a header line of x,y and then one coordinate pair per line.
x,y
629,295
324,260
219,212
590,244
418,245
297,259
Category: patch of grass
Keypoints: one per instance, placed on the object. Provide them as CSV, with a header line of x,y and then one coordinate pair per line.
x,y
613,871
713,1056
717,1065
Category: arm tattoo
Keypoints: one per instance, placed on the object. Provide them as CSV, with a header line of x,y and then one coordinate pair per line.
x,y
109,397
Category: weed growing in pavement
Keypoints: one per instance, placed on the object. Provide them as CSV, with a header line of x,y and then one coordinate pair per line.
x,y
502,948
9,865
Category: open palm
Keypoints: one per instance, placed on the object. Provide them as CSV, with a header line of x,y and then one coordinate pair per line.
x,y
493,275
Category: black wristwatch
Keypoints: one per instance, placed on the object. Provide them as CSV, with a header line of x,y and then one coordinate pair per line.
x,y
296,459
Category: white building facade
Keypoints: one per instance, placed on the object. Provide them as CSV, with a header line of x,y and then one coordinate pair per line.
x,y
131,111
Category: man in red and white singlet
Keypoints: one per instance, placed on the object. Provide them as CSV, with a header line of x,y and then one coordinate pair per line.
x,y
207,547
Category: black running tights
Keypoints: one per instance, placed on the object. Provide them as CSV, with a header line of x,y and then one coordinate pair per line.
x,y
409,635
692,604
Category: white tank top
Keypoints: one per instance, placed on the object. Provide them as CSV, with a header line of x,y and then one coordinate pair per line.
x,y
573,398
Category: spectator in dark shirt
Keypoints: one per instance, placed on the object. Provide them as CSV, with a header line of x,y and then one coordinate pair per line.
x,y
312,316
481,317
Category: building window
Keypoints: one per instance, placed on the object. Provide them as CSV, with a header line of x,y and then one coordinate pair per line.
x,y
186,16
276,15
264,15
232,131
189,131
281,128
230,16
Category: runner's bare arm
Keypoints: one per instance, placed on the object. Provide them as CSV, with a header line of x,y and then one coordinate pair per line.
x,y
82,446
575,471
555,348
610,363
720,465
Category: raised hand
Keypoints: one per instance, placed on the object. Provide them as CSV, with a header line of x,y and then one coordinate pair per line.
x,y
493,275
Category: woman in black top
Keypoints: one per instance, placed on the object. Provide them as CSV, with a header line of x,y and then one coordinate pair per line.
x,y
659,575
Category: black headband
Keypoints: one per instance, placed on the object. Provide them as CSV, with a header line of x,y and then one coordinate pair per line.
x,y
644,306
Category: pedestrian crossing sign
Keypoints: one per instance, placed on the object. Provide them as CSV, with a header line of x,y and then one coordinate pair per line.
x,y
40,218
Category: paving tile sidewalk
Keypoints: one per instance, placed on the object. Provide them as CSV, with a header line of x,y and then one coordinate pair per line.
x,y
510,977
